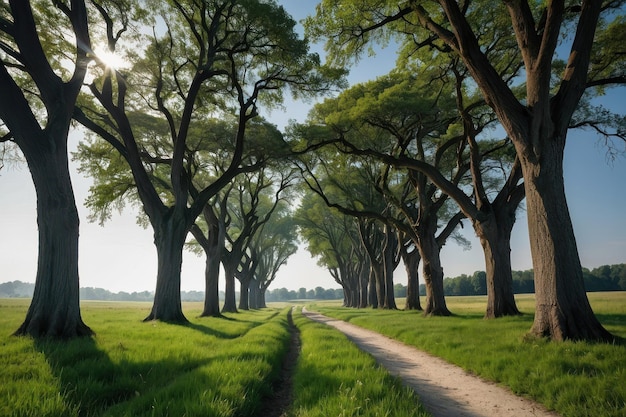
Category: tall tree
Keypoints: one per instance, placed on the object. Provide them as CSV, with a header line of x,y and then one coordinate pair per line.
x,y
536,122
407,112
36,106
271,248
252,204
214,56
386,119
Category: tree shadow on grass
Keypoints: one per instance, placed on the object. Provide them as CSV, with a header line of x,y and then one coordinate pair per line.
x,y
90,382
614,320
212,332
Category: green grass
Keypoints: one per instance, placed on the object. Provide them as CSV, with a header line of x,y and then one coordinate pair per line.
x,y
211,367
573,378
334,378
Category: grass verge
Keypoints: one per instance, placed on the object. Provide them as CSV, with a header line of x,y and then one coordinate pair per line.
x,y
211,367
334,378
574,378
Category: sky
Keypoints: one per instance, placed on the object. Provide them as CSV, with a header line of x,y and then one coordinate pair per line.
x,y
121,255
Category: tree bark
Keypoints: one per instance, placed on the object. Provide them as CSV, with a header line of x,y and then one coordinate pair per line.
x,y
495,239
244,293
255,294
411,263
389,265
55,308
364,273
211,285
230,305
169,238
372,294
433,276
562,309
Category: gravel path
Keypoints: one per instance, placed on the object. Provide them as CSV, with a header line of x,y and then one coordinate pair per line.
x,y
445,390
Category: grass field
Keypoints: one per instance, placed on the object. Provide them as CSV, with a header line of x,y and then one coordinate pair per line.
x,y
211,367
574,378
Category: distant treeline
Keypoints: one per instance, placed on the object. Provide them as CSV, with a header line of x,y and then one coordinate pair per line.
x,y
603,278
19,289
319,293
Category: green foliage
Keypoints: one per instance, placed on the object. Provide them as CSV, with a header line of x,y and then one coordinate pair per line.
x,y
573,378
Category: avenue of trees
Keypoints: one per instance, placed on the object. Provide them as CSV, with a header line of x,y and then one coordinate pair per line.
x,y
471,124
535,99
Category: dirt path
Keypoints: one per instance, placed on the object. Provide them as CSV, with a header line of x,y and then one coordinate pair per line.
x,y
445,390
279,403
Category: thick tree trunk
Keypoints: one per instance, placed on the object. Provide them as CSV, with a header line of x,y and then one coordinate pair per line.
x,y
495,239
379,279
389,265
562,310
262,303
433,276
244,293
55,309
411,264
230,305
364,274
213,245
211,285
372,293
255,294
169,238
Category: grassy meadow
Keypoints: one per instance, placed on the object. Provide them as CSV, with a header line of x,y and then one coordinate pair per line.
x,y
573,378
210,367
227,366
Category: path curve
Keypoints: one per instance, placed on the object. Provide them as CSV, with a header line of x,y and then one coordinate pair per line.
x,y
445,390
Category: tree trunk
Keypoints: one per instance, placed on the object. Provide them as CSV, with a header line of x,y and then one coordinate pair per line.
x,y
254,299
562,309
372,294
495,239
262,303
244,287
433,276
411,265
379,279
211,285
389,265
230,305
55,308
169,238
364,273
213,245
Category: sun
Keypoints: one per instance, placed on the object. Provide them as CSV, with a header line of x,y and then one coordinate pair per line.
x,y
110,59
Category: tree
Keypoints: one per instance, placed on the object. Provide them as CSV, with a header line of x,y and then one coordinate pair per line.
x,y
257,195
536,122
348,185
330,236
37,91
405,110
221,58
387,121
271,248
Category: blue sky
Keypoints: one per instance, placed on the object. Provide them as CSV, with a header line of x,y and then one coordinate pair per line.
x,y
121,256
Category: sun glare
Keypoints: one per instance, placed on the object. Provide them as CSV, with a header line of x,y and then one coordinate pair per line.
x,y
110,59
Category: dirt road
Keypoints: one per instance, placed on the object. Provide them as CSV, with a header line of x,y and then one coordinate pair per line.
x,y
445,390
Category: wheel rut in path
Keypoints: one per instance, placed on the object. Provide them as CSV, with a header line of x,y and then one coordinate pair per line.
x,y
446,390
278,404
